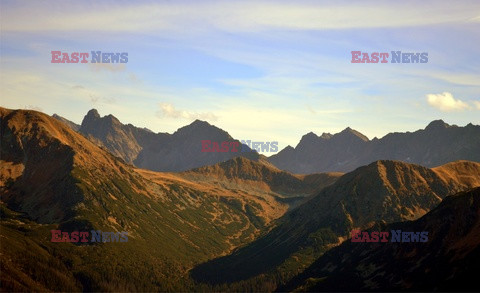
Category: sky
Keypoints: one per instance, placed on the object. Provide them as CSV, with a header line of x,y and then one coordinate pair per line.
x,y
260,70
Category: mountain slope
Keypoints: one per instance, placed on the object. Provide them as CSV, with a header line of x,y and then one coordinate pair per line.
x,y
70,124
448,261
183,150
175,152
437,144
124,141
384,191
262,175
51,177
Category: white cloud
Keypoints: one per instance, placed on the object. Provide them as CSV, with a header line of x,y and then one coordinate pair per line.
x,y
476,104
446,102
169,111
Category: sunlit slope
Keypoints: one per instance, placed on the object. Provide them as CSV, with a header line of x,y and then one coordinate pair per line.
x,y
58,179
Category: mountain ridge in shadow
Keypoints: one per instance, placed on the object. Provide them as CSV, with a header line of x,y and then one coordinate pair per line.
x,y
437,144
448,261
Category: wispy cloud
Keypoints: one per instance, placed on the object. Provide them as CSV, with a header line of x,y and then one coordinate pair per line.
x,y
476,104
169,111
92,95
282,69
233,16
446,102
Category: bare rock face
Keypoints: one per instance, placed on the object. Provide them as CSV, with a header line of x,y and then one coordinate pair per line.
x,y
175,152
121,140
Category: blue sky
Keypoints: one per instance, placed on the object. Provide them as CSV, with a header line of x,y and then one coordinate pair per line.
x,y
261,70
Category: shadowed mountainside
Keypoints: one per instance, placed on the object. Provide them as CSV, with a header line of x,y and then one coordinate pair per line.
x,y
382,192
437,144
448,261
175,152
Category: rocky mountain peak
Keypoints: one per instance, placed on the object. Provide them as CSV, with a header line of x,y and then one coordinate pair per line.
x,y
437,125
349,132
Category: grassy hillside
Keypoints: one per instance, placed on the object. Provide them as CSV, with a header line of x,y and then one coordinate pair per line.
x,y
384,191
57,179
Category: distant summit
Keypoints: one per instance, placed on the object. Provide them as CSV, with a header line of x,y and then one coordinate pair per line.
x,y
348,132
92,114
179,151
437,125
121,140
199,123
437,144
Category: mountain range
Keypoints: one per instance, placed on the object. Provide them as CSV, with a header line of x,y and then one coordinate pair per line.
x,y
239,223
52,177
437,144
175,152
